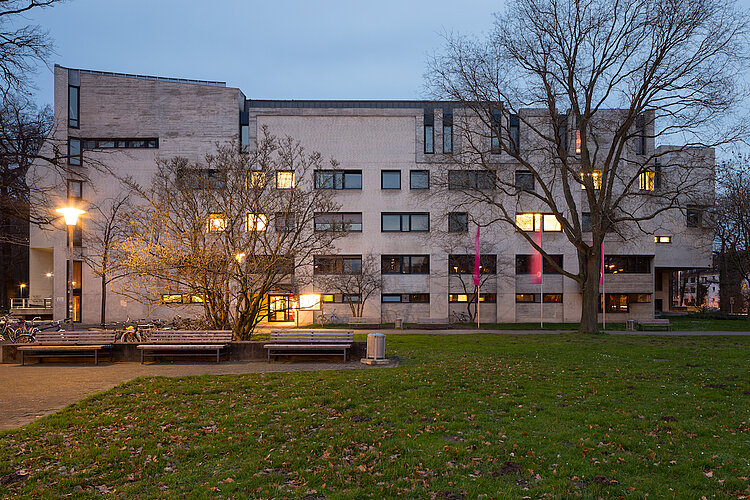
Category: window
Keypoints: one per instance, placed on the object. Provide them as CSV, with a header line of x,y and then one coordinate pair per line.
x,y
647,180
75,189
524,180
74,151
495,126
527,297
338,179
76,232
404,222
337,264
244,131
514,131
471,297
578,142
553,297
390,179
586,222
532,222
180,298
628,264
464,264
595,176
562,131
405,298
429,131
201,178
74,106
458,222
663,239
694,217
640,138
340,298
615,303
147,143
339,222
217,223
284,179
278,265
405,264
471,179
258,179
419,179
447,130
257,222
285,222
488,297
523,264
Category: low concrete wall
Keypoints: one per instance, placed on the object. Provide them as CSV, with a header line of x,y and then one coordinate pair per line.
x,y
238,351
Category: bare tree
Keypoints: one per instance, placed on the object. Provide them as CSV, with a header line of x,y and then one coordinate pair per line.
x,y
226,232
571,92
361,283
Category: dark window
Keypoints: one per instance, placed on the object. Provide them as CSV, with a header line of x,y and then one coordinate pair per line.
x,y
495,130
615,303
627,264
562,131
74,106
458,222
640,138
399,222
524,180
405,264
75,189
338,179
147,143
201,178
244,131
447,131
523,264
464,264
471,179
658,281
339,298
339,222
77,233
390,179
423,298
338,264
488,297
282,265
285,222
429,132
586,222
74,151
419,179
694,217
514,131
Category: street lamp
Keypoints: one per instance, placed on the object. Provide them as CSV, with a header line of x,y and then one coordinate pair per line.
x,y
71,215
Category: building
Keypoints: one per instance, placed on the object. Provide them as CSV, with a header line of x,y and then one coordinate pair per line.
x,y
389,152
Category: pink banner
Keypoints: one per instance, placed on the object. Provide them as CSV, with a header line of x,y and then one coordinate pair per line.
x,y
476,258
537,265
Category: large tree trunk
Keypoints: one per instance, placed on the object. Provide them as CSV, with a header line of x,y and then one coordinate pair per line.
x,y
590,263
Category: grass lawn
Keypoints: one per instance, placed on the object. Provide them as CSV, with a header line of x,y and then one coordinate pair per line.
x,y
463,416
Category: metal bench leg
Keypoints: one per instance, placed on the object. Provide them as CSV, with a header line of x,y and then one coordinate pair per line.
x,y
23,358
96,356
141,356
217,355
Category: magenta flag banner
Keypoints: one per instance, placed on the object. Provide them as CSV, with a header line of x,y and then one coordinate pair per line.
x,y
536,259
601,272
476,258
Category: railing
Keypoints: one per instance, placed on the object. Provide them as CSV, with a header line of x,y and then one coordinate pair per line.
x,y
45,303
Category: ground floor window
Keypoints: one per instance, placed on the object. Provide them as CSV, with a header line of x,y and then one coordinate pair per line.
x,y
534,297
470,297
393,298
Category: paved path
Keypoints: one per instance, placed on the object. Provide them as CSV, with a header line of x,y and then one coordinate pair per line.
x,y
469,331
33,391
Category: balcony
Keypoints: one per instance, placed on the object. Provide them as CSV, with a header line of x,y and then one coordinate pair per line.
x,y
31,307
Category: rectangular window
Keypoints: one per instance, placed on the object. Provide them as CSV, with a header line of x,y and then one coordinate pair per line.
x,y
495,130
340,298
77,233
471,297
405,222
77,286
663,239
524,180
405,298
147,143
285,222
694,217
338,179
244,131
553,297
217,223
201,178
75,189
339,222
524,298
586,222
337,264
562,132
429,131
640,138
284,179
464,264
256,222
627,264
615,303
578,142
458,222
74,106
74,151
390,179
405,264
532,222
180,298
595,176
447,131
523,264
471,179
419,179
514,132
646,180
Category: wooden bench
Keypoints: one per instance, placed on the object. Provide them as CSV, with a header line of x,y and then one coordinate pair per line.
x,y
309,343
654,324
433,323
364,322
63,344
185,343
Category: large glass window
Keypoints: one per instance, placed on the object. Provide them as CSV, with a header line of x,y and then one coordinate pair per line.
x,y
147,143
423,298
419,179
471,179
405,222
523,264
458,222
338,179
201,178
257,222
627,264
595,176
532,222
339,222
285,222
405,264
464,264
217,223
284,179
74,106
338,264
390,179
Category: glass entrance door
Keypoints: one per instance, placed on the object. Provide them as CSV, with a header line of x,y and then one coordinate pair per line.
x,y
278,308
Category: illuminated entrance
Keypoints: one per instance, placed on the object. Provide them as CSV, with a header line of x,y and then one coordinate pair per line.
x,y
279,308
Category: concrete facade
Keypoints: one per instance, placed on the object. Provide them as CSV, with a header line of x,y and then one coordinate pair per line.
x,y
189,118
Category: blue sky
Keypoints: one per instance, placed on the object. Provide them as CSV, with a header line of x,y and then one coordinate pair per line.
x,y
324,49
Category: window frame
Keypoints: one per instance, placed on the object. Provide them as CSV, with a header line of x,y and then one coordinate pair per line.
x,y
447,131
411,179
429,132
401,216
337,265
529,175
77,118
405,264
70,191
388,173
464,264
75,159
282,172
338,184
335,224
536,221
464,228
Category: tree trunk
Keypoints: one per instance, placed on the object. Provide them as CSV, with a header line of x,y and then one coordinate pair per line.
x,y
591,264
103,314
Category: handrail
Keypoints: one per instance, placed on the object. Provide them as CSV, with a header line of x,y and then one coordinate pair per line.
x,y
31,303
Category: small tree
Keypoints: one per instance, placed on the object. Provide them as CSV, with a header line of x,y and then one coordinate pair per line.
x,y
226,232
363,283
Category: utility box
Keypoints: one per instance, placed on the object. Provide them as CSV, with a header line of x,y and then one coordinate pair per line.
x,y
375,350
399,324
630,325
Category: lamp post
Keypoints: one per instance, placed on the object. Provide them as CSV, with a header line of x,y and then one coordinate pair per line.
x,y
71,215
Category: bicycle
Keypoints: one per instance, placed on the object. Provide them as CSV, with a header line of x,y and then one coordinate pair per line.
x,y
24,333
328,319
8,330
460,317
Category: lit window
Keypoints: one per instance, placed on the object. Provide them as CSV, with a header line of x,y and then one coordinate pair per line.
x,y
217,223
525,222
578,142
257,179
284,180
596,179
662,239
647,181
257,222
551,223
532,222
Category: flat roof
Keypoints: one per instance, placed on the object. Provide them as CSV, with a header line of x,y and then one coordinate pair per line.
x,y
148,77
350,104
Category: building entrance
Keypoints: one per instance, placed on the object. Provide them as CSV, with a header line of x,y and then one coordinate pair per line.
x,y
278,308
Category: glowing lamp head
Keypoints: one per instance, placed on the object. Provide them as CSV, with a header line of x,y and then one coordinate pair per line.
x,y
70,214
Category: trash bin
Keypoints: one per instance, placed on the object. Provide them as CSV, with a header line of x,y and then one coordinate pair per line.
x,y
376,346
630,325
399,323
